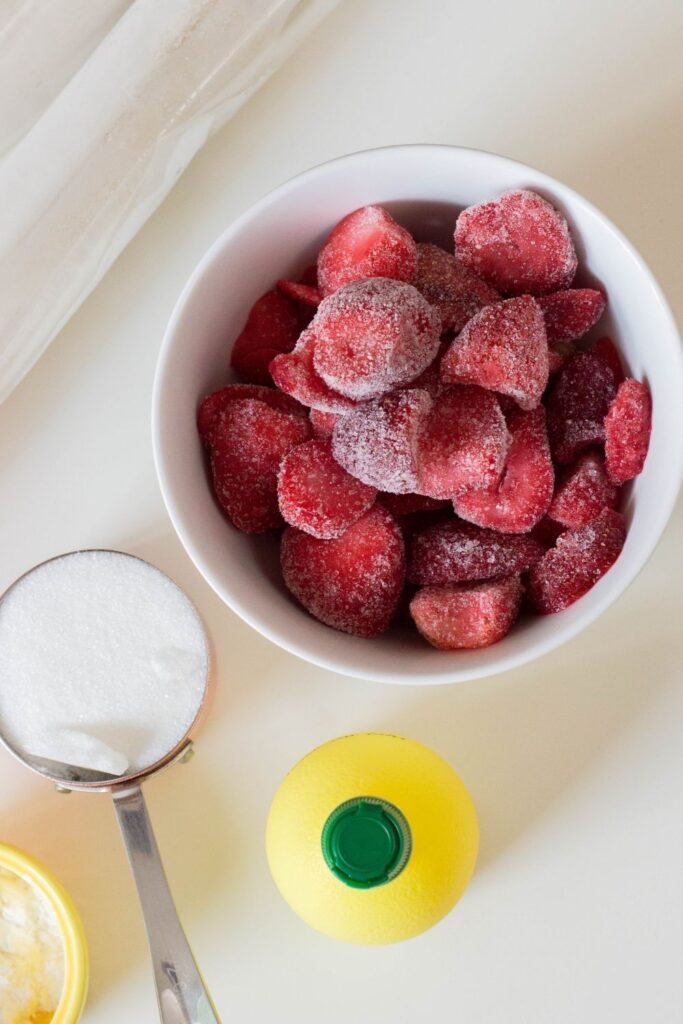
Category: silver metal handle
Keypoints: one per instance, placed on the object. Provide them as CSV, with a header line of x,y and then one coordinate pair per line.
x,y
183,997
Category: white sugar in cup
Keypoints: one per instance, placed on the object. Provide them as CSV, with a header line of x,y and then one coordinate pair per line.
x,y
104,670
103,663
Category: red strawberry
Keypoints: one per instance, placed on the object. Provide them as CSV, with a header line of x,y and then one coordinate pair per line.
x,y
322,423
366,243
214,403
408,504
373,336
547,531
526,489
457,552
583,491
295,374
519,243
353,583
378,442
249,440
316,495
304,293
450,287
463,444
607,350
467,615
430,379
571,313
503,348
558,354
255,366
310,276
576,563
577,405
627,431
272,327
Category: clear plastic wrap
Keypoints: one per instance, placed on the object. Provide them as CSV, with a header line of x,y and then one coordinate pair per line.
x,y
97,163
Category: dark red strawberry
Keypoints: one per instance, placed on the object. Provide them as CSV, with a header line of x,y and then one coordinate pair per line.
x,y
457,552
577,405
467,615
607,350
583,491
571,313
272,327
577,561
353,583
450,287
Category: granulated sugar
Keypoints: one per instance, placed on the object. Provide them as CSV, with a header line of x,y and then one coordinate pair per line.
x,y
103,662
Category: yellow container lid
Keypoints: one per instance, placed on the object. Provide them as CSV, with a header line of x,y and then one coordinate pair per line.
x,y
76,968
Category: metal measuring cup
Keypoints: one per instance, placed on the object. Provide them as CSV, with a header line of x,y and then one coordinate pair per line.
x,y
182,995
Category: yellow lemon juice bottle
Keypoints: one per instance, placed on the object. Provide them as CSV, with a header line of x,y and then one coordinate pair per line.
x,y
372,838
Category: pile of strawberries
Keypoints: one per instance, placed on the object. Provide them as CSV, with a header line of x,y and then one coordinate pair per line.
x,y
433,429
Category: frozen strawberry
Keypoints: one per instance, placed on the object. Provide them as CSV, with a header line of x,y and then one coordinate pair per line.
x,y
577,405
463,443
430,379
353,583
583,491
304,293
272,327
295,374
519,243
558,354
407,504
214,403
417,522
457,552
627,431
450,287
525,491
467,615
607,350
576,563
366,243
378,442
571,313
503,348
322,423
310,276
249,440
316,495
255,366
373,336
547,531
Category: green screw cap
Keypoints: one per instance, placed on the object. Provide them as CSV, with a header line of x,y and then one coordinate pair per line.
x,y
366,842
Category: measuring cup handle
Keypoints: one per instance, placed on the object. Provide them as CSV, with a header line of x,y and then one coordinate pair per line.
x,y
183,997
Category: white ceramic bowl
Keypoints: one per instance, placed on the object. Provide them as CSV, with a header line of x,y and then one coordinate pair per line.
x,y
424,187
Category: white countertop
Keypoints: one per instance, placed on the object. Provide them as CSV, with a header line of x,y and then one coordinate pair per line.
x,y
575,762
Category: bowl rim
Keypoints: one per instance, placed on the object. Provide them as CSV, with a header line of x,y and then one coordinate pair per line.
x,y
565,631
76,960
